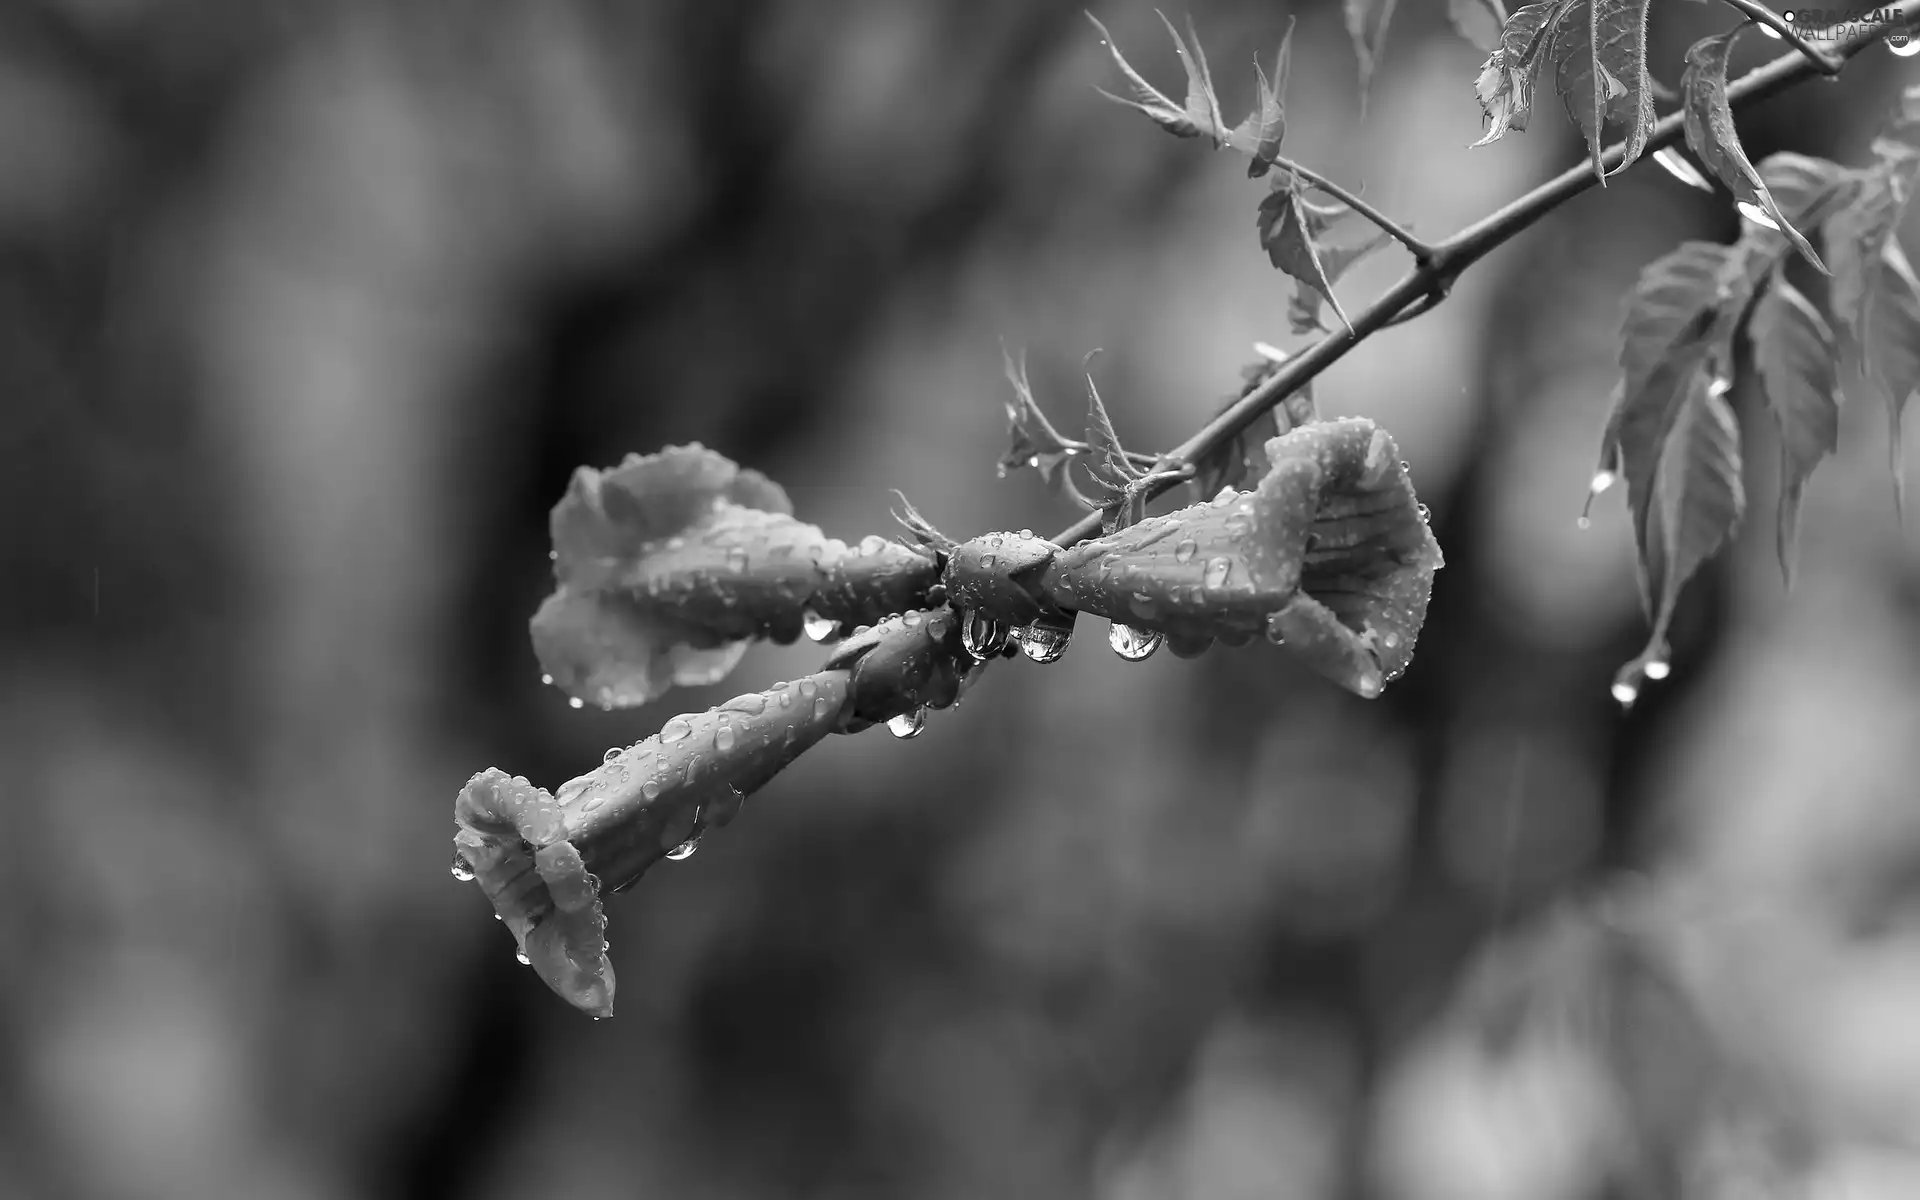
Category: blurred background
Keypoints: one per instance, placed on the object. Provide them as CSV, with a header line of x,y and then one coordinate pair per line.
x,y
307,312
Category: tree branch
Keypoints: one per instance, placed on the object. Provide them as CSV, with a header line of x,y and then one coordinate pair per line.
x,y
1829,64
1435,275
1421,251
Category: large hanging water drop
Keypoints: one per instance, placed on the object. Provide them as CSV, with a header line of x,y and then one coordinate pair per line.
x,y
1045,642
462,869
819,628
908,724
1134,645
575,702
685,849
982,636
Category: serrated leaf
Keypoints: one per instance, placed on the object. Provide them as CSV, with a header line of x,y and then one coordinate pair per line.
x,y
669,564
1478,21
1695,506
1199,116
1303,311
1330,555
1712,136
1367,22
1033,441
1260,134
1112,469
1599,52
1287,227
1679,326
1242,462
1892,360
1506,80
1795,357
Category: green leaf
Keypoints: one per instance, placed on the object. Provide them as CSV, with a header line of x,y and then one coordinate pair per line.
x,y
1795,356
1857,236
1303,311
1478,21
1712,136
1111,467
1367,22
1033,441
1288,227
1242,462
1892,356
1505,85
1695,507
1679,326
1199,116
1260,135
669,564
1330,555
1599,52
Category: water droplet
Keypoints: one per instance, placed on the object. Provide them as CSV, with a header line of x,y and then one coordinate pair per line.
x,y
1625,692
986,562
910,620
1185,551
462,869
937,627
675,730
1657,669
736,560
1720,386
1217,571
1033,461
908,724
1000,469
498,917
1026,533
822,709
753,704
650,789
1238,524
1426,514
612,753
723,738
982,636
1390,640
786,699
1045,643
575,702
520,956
547,679
818,628
685,849
807,688
1369,685
1134,645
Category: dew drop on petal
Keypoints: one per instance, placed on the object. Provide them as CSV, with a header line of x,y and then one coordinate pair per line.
x,y
723,739
612,753
818,628
1218,569
650,789
807,688
1134,645
1185,551
908,724
987,561
462,869
822,708
675,730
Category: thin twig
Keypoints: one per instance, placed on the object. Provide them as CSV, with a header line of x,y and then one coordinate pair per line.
x,y
1829,64
1436,274
1393,229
